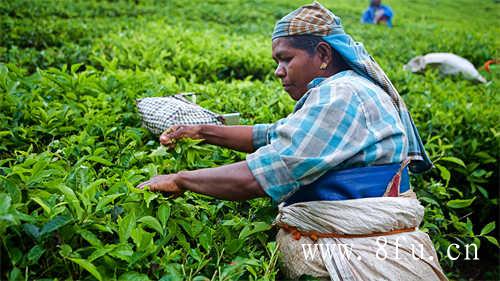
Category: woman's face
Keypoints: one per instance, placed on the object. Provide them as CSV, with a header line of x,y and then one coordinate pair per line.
x,y
296,68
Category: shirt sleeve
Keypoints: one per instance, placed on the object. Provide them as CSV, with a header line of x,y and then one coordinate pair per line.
x,y
388,11
260,135
367,16
308,143
263,133
389,14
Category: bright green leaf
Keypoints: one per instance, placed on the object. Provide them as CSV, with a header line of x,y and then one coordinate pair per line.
x,y
492,240
164,214
453,160
460,203
133,276
90,237
149,196
153,223
488,228
123,252
88,266
100,160
5,201
126,225
100,252
255,227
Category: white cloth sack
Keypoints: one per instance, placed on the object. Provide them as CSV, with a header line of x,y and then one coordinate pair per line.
x,y
389,257
448,64
160,113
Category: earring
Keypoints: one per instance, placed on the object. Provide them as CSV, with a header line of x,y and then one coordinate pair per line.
x,y
323,66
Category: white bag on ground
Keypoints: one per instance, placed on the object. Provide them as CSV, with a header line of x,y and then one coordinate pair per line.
x,y
404,256
448,64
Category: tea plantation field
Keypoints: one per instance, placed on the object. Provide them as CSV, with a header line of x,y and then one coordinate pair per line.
x,y
72,147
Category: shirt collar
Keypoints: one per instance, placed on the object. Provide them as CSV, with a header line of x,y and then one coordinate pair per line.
x,y
320,80
317,82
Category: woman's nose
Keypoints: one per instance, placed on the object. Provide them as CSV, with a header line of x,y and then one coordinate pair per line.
x,y
280,71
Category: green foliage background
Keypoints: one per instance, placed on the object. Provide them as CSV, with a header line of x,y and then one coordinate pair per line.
x,y
72,147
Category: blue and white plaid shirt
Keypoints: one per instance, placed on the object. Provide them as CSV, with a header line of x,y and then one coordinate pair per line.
x,y
342,121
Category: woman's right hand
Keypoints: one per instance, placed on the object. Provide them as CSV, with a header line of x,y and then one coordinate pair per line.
x,y
178,132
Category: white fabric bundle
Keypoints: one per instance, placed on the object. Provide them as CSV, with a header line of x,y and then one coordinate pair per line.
x,y
403,256
448,63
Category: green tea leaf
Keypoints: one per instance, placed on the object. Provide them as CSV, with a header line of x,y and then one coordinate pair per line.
x,y
15,274
100,160
153,223
71,198
142,239
133,276
492,240
460,203
101,252
55,224
254,228
65,250
453,160
149,196
90,237
104,201
206,240
164,214
123,252
35,253
125,226
42,204
88,266
445,173
5,201
32,230
488,228
234,245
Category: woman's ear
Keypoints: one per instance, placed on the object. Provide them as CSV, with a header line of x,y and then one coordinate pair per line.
x,y
325,52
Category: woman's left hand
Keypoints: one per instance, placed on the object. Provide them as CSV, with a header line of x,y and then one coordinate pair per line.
x,y
163,183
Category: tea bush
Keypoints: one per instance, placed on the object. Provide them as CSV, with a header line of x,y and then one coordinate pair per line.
x,y
72,147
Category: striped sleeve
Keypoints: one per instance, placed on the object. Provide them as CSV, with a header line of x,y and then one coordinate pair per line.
x,y
260,135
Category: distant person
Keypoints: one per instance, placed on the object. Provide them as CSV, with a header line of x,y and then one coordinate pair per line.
x,y
378,14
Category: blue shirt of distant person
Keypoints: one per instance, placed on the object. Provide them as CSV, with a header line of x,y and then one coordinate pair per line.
x,y
378,14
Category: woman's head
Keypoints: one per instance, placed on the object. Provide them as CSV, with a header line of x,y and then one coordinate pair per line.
x,y
302,58
300,51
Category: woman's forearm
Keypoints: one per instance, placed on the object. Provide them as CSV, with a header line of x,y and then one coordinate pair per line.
x,y
229,182
233,137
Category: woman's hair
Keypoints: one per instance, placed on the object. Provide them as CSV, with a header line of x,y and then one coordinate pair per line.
x,y
308,43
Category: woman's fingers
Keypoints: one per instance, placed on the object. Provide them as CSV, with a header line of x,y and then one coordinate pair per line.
x,y
171,134
165,137
152,183
152,186
143,184
163,183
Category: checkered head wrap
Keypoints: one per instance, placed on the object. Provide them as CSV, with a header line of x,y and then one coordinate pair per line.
x,y
314,19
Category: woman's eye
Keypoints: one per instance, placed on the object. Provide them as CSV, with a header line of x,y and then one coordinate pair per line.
x,y
280,60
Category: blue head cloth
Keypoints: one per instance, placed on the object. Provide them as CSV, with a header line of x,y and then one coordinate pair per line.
x,y
314,19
